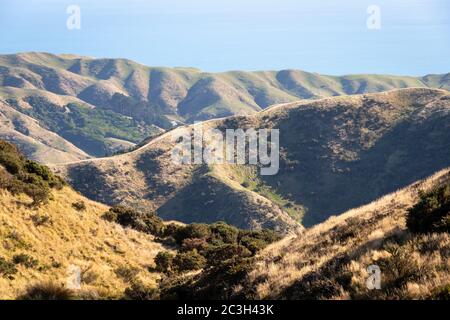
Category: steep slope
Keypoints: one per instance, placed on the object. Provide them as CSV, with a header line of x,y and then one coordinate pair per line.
x,y
335,154
147,178
38,143
394,248
90,131
70,239
330,261
50,241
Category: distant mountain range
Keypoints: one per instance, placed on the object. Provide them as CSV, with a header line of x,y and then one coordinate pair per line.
x,y
62,108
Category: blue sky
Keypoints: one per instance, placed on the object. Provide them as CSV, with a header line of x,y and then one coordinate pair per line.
x,y
326,36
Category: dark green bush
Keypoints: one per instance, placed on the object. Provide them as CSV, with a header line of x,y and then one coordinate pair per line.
x,y
79,205
171,229
432,212
223,252
128,217
7,269
25,260
253,244
188,261
257,240
218,255
223,233
214,283
11,158
194,230
164,261
138,291
195,243
40,220
26,176
44,173
47,291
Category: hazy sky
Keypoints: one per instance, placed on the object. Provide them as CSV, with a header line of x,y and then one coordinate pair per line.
x,y
326,36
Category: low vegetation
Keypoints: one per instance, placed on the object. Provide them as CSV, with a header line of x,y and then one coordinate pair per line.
x,y
219,252
20,175
87,128
432,212
43,238
128,217
47,291
404,234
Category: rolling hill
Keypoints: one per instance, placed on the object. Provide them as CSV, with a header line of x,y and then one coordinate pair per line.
x,y
335,154
102,106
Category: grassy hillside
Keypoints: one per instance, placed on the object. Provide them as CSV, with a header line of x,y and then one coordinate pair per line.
x,y
47,229
58,245
330,260
141,99
336,154
37,142
404,234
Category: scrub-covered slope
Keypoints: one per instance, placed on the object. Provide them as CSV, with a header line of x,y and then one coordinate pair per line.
x,y
335,154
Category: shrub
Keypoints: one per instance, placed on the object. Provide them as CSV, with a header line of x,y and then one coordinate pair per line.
x,y
195,243
79,205
224,233
26,176
257,240
25,260
218,255
47,291
128,217
44,173
432,212
215,283
10,157
253,244
40,220
400,267
163,261
194,230
171,229
188,261
153,224
127,274
7,269
138,291
39,194
441,293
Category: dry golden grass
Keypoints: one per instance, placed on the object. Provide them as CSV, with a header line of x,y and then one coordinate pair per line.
x,y
361,235
71,238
